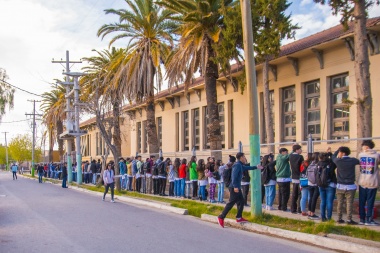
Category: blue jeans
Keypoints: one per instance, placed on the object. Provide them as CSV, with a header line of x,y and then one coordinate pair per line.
x,y
177,186
220,192
304,198
64,179
366,196
94,178
327,199
40,177
123,182
202,190
182,188
270,194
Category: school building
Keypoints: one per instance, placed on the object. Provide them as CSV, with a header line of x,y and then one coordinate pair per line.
x,y
310,82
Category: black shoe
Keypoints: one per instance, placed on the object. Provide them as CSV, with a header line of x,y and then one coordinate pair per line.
x,y
324,219
294,212
340,221
351,222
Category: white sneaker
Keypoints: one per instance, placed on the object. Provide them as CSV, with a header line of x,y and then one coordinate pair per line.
x,y
112,201
102,199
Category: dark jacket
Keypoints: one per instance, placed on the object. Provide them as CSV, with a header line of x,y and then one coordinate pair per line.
x,y
272,170
295,163
246,177
93,167
64,171
331,176
345,169
237,174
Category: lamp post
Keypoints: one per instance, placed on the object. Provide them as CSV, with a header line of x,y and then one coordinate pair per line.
x,y
254,137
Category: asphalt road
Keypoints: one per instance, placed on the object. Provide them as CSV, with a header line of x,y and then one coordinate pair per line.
x,y
47,218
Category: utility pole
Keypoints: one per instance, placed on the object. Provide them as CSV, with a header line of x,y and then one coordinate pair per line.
x,y
69,123
34,130
6,150
254,135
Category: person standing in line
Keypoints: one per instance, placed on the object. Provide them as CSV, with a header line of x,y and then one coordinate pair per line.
x,y
129,173
93,170
270,183
171,179
312,186
188,181
210,167
177,180
305,186
123,175
64,175
148,173
40,170
368,182
182,177
283,179
14,169
138,174
163,172
108,178
346,187
236,196
194,176
296,159
327,192
202,179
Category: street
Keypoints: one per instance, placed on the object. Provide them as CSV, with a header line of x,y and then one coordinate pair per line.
x,y
47,218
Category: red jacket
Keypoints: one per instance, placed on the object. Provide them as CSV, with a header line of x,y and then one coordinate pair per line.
x,y
182,171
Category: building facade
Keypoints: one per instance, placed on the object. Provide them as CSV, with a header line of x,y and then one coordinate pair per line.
x,y
311,85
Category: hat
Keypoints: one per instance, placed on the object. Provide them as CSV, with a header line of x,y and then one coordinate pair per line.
x,y
239,154
232,159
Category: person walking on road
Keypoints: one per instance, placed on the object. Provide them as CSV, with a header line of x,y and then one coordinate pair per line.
x,y
236,196
14,171
40,170
108,178
64,175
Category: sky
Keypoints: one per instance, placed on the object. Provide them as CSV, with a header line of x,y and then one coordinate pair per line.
x,y
34,32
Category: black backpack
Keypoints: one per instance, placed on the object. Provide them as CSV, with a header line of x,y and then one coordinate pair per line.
x,y
147,167
322,176
216,175
265,175
227,176
155,169
162,169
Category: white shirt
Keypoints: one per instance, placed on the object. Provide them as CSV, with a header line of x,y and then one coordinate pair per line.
x,y
346,187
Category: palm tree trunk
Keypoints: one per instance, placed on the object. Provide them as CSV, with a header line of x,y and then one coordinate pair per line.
x,y
51,145
154,145
267,107
116,137
59,140
214,134
362,75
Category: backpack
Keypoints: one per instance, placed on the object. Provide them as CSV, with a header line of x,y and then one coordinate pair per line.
x,y
216,175
142,168
147,167
322,176
134,167
265,175
311,173
155,169
162,169
227,176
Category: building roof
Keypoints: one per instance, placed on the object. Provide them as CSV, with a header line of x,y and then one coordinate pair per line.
x,y
327,35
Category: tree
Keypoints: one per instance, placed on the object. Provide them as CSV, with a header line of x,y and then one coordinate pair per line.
x,y
53,107
272,26
20,148
3,157
201,24
150,32
356,10
105,95
6,93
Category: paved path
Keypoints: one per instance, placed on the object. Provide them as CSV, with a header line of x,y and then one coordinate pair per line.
x,y
45,218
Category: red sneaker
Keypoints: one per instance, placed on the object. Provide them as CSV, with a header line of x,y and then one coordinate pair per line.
x,y
241,220
221,222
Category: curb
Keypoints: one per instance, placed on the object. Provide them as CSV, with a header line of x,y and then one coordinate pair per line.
x,y
296,236
141,202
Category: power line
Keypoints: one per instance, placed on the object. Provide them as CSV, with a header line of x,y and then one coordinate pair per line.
x,y
15,121
22,89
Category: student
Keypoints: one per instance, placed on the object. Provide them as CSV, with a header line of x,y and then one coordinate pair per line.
x,y
194,176
122,169
236,196
245,182
283,179
40,170
270,184
148,174
14,171
327,193
296,159
202,179
182,176
162,176
108,178
138,173
221,167
188,182
312,186
129,173
305,187
64,175
368,182
346,188
210,167
177,181
171,179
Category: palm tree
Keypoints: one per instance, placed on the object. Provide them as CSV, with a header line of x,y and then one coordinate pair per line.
x,y
200,29
105,93
150,34
53,107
